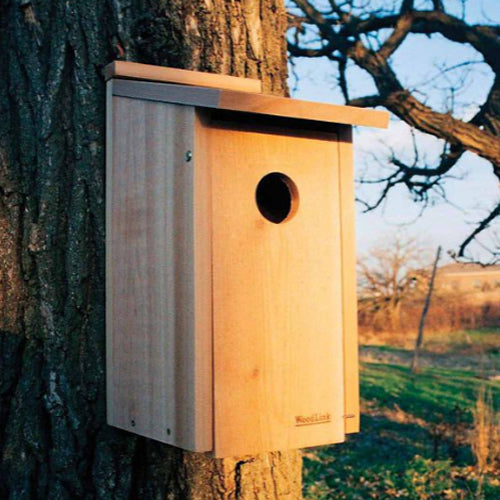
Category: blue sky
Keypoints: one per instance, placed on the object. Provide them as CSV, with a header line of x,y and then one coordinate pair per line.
x,y
418,63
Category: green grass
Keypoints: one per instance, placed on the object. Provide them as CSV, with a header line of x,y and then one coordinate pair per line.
x,y
466,342
434,394
413,442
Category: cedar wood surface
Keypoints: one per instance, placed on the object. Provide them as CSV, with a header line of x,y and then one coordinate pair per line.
x,y
249,103
277,307
228,93
158,281
159,256
349,294
137,71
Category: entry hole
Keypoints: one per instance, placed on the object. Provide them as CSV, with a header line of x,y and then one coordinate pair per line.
x,y
169,432
277,197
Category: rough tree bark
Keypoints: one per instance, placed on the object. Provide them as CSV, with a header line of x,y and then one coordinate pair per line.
x,y
54,442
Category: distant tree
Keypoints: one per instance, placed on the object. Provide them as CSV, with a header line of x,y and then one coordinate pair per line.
x,y
387,275
368,35
425,310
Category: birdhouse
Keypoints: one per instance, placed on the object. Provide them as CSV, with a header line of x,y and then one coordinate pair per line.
x,y
230,264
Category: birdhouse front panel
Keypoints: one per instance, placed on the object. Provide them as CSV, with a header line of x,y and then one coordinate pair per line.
x,y
277,286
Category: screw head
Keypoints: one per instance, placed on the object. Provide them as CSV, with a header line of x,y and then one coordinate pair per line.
x,y
189,156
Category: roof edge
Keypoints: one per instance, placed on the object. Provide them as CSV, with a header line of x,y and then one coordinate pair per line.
x,y
233,94
149,72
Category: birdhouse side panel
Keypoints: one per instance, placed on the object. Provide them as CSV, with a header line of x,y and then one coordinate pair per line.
x,y
152,385
349,294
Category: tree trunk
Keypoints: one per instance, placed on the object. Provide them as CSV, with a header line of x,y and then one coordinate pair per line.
x,y
54,441
395,314
427,303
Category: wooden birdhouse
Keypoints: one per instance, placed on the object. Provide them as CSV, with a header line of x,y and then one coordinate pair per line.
x,y
231,294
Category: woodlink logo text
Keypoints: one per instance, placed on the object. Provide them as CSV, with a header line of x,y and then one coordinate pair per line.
x,y
315,418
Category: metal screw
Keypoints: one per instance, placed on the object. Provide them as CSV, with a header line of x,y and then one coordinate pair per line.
x,y
189,156
132,423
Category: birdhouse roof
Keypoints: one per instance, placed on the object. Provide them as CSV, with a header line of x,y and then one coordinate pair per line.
x,y
227,93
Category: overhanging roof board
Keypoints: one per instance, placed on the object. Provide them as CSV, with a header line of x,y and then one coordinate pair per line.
x,y
245,102
137,71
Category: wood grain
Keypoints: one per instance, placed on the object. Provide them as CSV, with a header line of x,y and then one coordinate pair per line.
x,y
251,103
225,332
276,294
161,92
304,110
158,286
137,71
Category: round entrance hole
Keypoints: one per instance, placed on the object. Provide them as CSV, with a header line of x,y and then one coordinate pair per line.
x,y
277,197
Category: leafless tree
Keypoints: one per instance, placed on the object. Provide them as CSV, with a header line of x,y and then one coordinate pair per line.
x,y
387,275
425,310
369,35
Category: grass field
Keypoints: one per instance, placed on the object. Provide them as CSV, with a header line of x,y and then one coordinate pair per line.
x,y
415,439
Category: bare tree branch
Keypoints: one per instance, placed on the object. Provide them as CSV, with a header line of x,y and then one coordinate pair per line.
x,y
401,30
369,101
406,6
438,5
483,38
482,226
356,33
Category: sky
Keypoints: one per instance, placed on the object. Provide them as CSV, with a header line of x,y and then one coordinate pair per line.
x,y
471,194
